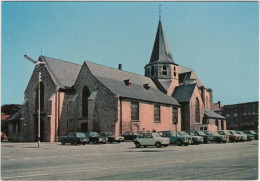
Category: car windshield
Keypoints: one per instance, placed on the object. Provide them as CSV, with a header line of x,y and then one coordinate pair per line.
x,y
156,135
232,132
94,134
80,135
252,132
226,133
215,133
201,133
192,133
183,134
207,132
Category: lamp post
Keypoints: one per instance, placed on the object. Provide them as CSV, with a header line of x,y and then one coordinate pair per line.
x,y
39,64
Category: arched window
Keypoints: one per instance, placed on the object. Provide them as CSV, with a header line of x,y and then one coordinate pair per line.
x,y
85,95
41,97
152,71
164,70
197,111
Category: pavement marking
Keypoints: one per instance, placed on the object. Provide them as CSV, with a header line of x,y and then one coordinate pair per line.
x,y
120,167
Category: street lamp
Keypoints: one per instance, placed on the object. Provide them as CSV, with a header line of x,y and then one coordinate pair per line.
x,y
39,64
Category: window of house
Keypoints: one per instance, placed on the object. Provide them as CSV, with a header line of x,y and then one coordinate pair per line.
x,y
197,111
164,70
245,110
135,111
249,110
85,96
253,108
157,113
227,113
235,112
174,71
152,70
174,115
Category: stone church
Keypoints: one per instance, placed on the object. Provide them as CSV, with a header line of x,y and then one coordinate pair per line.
x,y
93,97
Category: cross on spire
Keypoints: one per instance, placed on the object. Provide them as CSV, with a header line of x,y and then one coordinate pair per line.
x,y
160,11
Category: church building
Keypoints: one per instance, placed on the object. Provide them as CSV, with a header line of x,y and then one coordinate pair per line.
x,y
93,97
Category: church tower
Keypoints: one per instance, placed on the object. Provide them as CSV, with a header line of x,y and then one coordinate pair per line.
x,y
161,68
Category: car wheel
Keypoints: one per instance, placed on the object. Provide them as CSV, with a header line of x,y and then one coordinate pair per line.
x,y
231,140
218,140
63,142
137,145
179,142
71,143
205,141
84,143
165,145
186,144
158,145
87,142
224,141
119,141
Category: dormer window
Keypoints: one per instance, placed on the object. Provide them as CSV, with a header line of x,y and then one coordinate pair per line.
x,y
127,82
164,72
152,71
174,71
146,86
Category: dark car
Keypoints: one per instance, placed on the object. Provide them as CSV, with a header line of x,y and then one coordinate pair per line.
x,y
94,137
252,132
130,135
111,138
74,138
206,138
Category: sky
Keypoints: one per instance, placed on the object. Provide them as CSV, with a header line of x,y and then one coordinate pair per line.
x,y
219,40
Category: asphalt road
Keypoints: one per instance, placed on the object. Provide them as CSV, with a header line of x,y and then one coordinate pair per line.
x,y
53,161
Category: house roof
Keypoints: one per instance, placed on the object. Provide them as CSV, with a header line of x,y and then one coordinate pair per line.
x,y
64,73
113,79
161,52
16,116
183,93
211,114
186,73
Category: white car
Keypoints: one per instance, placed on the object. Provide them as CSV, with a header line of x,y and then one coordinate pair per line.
x,y
151,139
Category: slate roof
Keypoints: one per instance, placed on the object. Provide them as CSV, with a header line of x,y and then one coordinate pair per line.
x,y
183,93
114,80
64,73
16,116
211,114
189,74
161,52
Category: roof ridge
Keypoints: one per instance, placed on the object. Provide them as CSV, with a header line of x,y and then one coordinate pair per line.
x,y
60,60
117,69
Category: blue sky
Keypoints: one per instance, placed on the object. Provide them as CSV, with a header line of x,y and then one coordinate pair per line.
x,y
219,40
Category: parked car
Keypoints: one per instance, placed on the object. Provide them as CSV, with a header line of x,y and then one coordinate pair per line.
x,y
217,137
242,137
130,135
94,137
250,137
195,139
232,138
74,138
252,132
151,139
111,138
179,140
3,137
206,138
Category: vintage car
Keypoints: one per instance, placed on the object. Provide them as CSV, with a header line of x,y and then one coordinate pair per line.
x,y
252,132
217,137
151,139
195,139
179,140
206,138
250,137
232,138
74,138
242,137
130,135
94,137
109,137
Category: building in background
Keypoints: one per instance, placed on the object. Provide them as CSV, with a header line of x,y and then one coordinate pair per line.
x,y
242,116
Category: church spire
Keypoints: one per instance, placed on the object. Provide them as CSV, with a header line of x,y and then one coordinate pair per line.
x,y
161,52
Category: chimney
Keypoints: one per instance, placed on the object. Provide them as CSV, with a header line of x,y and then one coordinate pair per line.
x,y
120,66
